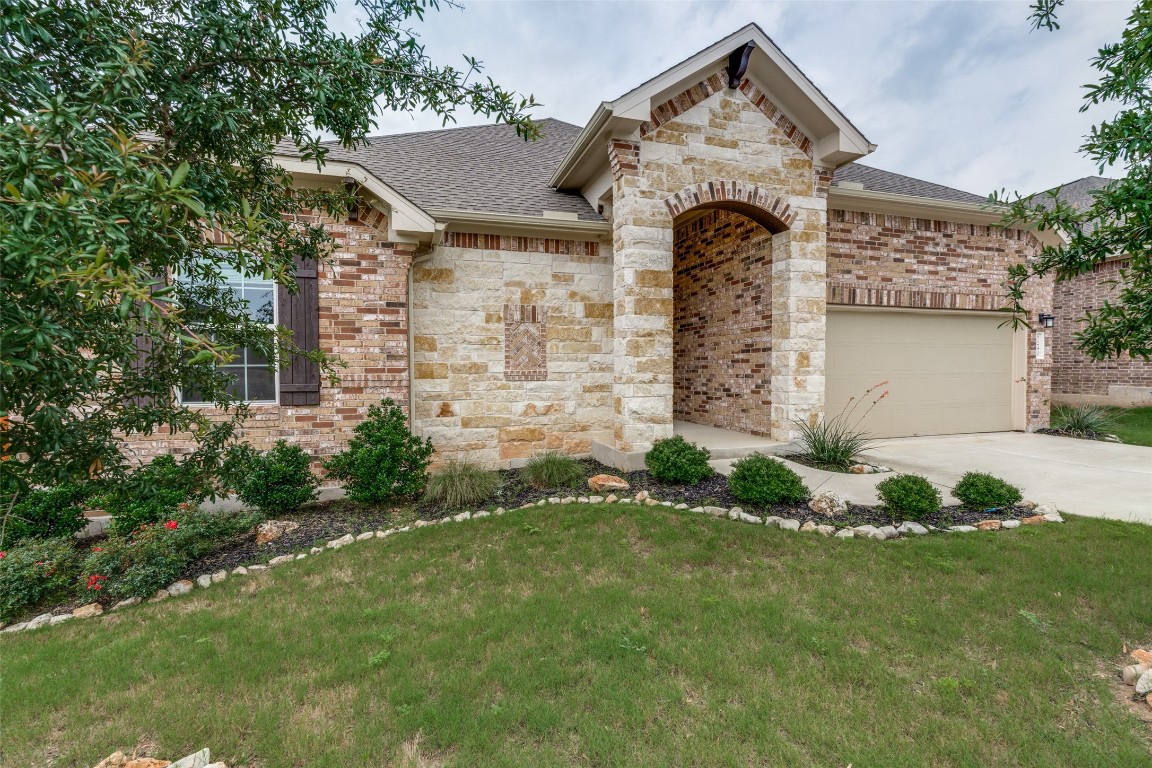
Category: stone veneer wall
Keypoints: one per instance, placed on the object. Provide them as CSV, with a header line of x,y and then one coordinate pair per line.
x,y
363,321
1075,376
466,401
897,261
722,342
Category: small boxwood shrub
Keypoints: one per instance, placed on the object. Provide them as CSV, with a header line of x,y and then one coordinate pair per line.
x,y
978,490
675,460
910,496
552,469
46,513
35,573
383,460
765,481
279,480
461,484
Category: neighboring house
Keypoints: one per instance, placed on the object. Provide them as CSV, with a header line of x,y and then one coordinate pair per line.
x,y
705,249
1077,378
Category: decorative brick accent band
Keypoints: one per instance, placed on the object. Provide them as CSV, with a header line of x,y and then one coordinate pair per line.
x,y
623,157
721,190
525,342
521,244
885,295
684,101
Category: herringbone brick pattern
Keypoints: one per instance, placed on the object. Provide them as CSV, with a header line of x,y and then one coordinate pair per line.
x,y
525,342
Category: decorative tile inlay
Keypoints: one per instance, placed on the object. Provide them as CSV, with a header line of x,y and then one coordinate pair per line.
x,y
525,342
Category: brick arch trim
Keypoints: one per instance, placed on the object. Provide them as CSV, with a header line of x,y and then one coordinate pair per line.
x,y
769,210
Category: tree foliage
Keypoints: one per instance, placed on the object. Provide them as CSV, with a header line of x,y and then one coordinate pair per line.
x,y
1119,220
129,131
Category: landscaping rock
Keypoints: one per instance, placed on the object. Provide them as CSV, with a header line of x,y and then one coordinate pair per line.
x,y
1009,523
889,532
301,556
1133,673
343,541
826,530
1053,517
219,576
716,511
865,531
1144,684
790,525
161,594
697,510
270,530
734,513
963,528
651,502
61,619
365,536
239,571
257,568
196,760
1140,656
15,628
88,611
1029,505
204,581
867,469
40,621
481,513
808,526
126,603
595,499
1045,509
568,500
752,519
607,483
914,528
845,533
582,499
772,521
828,504
681,506
114,760
611,498
280,560
1034,520
182,587
642,496
664,503
147,762
988,525
553,499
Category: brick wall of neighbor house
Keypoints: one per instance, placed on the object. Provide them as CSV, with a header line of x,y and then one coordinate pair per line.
x,y
363,322
1075,376
722,332
896,261
512,346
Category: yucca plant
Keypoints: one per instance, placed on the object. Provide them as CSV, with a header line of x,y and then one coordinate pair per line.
x,y
1083,420
552,469
835,442
461,484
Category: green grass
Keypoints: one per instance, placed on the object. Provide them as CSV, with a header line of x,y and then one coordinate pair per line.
x,y
616,636
1133,425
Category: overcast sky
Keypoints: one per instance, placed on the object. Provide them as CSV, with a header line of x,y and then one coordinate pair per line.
x,y
960,93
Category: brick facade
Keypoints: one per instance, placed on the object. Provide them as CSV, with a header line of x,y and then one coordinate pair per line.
x,y
469,294
898,261
363,322
1075,376
722,343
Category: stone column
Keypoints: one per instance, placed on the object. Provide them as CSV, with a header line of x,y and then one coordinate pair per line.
x,y
642,293
799,316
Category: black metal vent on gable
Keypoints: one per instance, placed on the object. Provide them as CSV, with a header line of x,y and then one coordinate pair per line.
x,y
738,63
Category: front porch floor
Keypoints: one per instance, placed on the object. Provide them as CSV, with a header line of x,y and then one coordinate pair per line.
x,y
726,443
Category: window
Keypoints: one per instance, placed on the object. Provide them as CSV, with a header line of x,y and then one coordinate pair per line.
x,y
252,380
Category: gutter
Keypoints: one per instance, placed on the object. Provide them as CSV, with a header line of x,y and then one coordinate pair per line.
x,y
545,224
416,261
582,144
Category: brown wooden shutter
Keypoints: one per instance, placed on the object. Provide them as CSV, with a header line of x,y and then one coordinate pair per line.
x,y
300,313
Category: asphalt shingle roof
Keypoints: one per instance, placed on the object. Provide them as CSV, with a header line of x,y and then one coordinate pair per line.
x,y
488,168
1076,193
897,184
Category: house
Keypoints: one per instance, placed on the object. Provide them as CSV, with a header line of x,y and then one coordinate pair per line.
x,y
705,249
1076,378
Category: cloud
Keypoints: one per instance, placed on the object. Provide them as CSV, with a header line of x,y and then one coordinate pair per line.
x,y
960,93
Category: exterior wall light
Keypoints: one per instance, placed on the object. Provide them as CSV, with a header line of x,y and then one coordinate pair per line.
x,y
1047,320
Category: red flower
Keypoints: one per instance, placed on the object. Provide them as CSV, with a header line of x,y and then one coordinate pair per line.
x,y
2,554
97,549
96,581
171,525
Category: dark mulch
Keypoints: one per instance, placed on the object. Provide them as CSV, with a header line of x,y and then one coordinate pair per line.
x,y
808,461
1089,435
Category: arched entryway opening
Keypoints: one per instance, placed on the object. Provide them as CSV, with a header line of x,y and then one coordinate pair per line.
x,y
722,316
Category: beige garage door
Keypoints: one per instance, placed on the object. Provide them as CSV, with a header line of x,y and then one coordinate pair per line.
x,y
947,372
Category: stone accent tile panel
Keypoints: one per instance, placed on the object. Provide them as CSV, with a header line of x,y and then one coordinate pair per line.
x,y
525,342
1073,372
723,323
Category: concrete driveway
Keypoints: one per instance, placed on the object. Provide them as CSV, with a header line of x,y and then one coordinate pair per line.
x,y
1082,477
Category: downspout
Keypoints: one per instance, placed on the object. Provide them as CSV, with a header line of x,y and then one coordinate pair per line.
x,y
418,259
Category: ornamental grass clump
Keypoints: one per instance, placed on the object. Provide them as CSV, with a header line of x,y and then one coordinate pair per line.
x,y
834,443
552,469
384,460
977,490
461,484
1083,420
675,460
909,496
758,479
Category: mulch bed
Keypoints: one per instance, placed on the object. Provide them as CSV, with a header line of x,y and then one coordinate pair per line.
x,y
1102,436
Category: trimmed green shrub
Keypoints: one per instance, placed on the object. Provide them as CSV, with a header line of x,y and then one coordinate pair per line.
x,y
461,484
910,496
552,470
978,490
46,514
155,554
151,494
279,480
1083,420
675,460
383,460
764,481
34,573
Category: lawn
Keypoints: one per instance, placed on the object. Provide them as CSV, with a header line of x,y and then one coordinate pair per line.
x,y
1133,425
616,636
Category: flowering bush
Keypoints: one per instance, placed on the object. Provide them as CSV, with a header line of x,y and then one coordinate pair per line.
x,y
34,573
152,494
